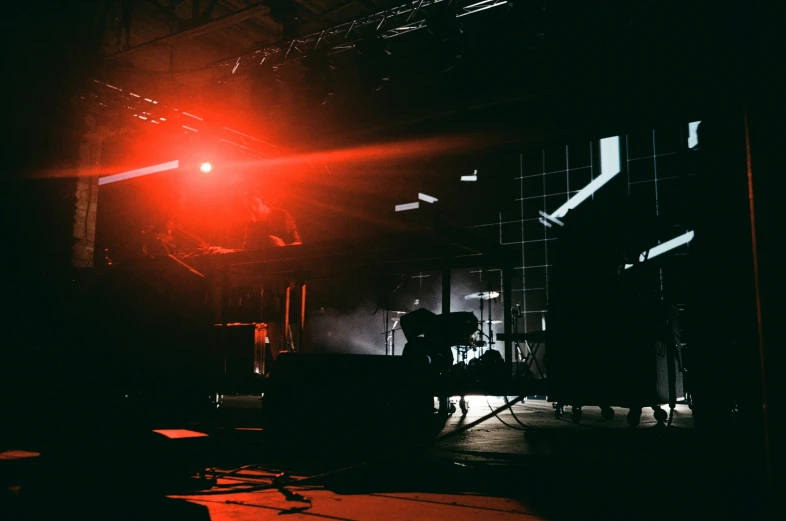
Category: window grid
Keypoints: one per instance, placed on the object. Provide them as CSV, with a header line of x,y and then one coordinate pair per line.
x,y
536,242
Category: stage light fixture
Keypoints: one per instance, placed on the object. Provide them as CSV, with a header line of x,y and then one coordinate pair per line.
x,y
373,62
266,83
206,168
473,177
693,134
284,13
319,77
529,17
444,25
407,206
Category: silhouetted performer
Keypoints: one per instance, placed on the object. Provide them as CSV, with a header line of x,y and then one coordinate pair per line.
x,y
271,227
268,226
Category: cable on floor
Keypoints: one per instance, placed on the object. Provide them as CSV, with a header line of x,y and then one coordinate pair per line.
x,y
311,480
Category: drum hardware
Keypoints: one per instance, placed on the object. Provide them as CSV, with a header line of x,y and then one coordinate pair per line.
x,y
462,352
390,338
483,295
480,297
532,341
390,334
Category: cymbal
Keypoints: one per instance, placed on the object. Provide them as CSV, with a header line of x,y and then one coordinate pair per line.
x,y
483,295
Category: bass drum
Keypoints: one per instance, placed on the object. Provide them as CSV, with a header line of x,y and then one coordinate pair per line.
x,y
489,365
471,353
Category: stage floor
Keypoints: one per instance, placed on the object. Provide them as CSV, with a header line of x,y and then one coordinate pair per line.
x,y
541,468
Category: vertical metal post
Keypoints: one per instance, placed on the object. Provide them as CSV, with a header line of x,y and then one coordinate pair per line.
x,y
507,290
224,295
444,400
386,319
302,314
757,288
287,332
224,285
445,290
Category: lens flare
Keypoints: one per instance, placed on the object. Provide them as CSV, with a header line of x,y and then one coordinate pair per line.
x,y
206,168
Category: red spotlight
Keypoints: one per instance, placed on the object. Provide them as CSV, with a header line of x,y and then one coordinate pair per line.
x,y
206,167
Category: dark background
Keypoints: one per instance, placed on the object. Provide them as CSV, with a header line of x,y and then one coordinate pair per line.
x,y
677,64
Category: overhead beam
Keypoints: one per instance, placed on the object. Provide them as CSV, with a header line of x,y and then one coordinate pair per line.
x,y
209,9
199,30
169,11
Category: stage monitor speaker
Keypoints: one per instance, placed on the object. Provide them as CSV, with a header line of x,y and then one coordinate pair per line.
x,y
145,329
243,348
345,404
419,322
458,327
637,363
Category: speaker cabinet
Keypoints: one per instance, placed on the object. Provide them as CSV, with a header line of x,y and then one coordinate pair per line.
x,y
319,404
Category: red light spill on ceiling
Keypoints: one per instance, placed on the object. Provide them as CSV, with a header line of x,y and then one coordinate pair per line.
x,y
400,150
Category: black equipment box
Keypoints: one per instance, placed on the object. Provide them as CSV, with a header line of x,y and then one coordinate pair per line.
x,y
345,403
635,362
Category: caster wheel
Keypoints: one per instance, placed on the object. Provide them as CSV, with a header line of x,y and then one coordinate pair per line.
x,y
576,416
660,415
607,413
558,411
634,417
464,406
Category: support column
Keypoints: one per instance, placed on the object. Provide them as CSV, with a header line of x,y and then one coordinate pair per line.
x,y
445,291
83,251
507,298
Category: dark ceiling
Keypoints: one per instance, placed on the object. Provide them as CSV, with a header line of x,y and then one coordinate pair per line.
x,y
528,69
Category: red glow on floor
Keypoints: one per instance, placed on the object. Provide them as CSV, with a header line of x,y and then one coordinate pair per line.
x,y
18,454
175,434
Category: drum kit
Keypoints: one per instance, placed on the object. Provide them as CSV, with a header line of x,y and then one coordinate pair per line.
x,y
476,344
480,339
390,332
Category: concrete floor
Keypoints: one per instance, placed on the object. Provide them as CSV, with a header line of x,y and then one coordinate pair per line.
x,y
544,469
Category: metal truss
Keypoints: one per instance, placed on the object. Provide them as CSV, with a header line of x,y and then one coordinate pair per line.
x,y
126,105
388,24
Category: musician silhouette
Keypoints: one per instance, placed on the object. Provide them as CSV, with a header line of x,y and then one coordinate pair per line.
x,y
268,226
271,227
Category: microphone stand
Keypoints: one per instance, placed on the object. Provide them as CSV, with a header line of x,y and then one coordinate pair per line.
x,y
386,315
